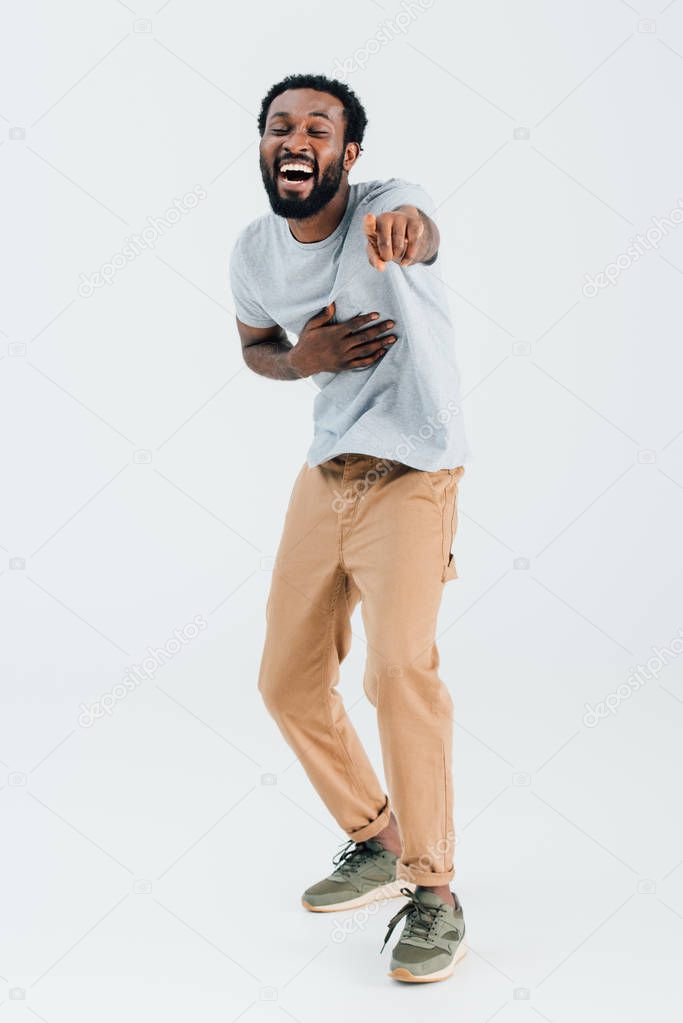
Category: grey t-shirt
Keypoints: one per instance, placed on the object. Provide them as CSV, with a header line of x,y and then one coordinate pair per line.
x,y
406,407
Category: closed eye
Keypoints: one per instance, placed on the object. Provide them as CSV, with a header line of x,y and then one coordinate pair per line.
x,y
319,133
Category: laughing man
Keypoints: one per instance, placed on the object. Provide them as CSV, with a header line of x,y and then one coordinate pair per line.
x,y
373,511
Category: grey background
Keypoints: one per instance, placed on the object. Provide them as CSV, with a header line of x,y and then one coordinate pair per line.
x,y
151,863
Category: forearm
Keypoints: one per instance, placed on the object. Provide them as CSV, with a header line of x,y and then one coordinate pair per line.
x,y
271,359
429,241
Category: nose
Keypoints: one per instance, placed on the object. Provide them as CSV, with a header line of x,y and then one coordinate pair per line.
x,y
297,143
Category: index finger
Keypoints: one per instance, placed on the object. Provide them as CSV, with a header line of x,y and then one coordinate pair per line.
x,y
359,321
374,256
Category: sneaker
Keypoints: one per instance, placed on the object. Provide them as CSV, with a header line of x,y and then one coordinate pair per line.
x,y
432,939
366,872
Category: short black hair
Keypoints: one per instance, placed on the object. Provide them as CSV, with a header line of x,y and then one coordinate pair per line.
x,y
354,112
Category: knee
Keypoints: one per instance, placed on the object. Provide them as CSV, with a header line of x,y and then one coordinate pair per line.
x,y
274,689
384,675
371,686
407,686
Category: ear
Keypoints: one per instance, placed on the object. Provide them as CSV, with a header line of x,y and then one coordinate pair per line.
x,y
351,154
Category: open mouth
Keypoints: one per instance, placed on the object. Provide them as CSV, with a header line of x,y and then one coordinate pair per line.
x,y
295,173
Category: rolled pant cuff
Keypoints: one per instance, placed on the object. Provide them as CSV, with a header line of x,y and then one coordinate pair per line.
x,y
404,872
374,827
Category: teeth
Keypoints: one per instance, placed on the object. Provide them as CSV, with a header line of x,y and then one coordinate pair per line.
x,y
295,167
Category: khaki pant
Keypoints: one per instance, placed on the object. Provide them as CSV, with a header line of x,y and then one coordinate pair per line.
x,y
360,528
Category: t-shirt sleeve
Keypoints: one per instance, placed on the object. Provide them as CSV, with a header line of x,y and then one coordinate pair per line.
x,y
397,192
247,305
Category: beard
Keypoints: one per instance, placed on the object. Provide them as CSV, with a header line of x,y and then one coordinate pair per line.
x,y
300,209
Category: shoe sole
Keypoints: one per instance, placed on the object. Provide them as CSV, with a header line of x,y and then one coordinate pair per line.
x,y
402,973
387,891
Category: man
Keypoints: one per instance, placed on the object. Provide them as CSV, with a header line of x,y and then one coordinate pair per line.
x,y
372,515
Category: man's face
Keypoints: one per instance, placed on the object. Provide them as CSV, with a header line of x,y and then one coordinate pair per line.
x,y
302,153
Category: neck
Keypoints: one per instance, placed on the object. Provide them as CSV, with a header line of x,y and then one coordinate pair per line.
x,y
322,224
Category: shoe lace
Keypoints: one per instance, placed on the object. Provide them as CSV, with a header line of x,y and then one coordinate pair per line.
x,y
420,918
350,857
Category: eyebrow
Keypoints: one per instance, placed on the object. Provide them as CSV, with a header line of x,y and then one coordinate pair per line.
x,y
312,113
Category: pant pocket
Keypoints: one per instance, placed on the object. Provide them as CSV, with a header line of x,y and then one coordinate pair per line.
x,y
450,523
449,571
442,484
